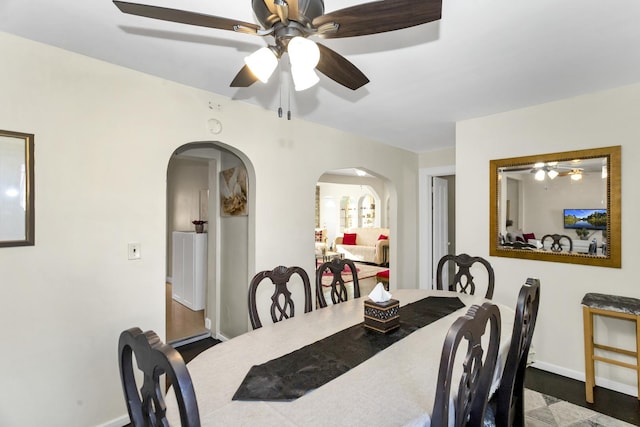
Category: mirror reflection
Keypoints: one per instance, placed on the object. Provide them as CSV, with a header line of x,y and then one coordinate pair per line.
x,y
558,207
16,189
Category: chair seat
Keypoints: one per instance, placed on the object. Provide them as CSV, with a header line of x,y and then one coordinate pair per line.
x,y
612,303
383,275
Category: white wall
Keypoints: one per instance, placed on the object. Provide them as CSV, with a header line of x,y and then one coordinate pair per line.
x,y
103,138
544,202
596,120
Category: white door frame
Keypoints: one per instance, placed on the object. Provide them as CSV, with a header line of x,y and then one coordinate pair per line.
x,y
425,216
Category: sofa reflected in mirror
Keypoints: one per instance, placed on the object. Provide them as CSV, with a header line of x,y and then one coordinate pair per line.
x,y
559,207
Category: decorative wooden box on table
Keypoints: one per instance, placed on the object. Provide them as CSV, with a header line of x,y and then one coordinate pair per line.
x,y
382,316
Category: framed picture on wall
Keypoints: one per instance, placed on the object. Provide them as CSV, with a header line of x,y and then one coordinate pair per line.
x,y
233,192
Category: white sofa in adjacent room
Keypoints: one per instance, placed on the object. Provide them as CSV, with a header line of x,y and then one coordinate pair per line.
x,y
368,247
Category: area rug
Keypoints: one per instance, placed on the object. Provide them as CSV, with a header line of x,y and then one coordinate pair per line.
x,y
544,410
364,271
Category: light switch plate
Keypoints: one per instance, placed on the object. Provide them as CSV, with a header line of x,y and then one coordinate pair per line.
x,y
134,251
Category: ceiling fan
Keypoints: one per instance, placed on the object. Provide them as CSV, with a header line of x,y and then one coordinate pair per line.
x,y
291,22
550,169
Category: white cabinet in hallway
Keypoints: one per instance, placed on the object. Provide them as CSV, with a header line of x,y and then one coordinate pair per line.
x,y
189,268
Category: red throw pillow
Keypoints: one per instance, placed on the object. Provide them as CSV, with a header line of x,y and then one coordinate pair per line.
x,y
528,236
383,237
349,239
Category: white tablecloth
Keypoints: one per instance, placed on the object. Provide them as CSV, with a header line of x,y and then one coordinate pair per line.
x,y
396,387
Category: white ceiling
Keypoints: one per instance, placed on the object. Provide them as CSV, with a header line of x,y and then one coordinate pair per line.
x,y
482,57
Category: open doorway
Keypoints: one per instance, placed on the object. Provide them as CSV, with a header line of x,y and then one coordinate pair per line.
x,y
205,302
353,201
187,202
433,203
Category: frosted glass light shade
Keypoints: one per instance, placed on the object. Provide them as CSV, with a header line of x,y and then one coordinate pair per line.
x,y
262,63
539,175
552,173
303,52
303,78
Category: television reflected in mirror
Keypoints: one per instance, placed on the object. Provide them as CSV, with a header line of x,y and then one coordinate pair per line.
x,y
589,219
559,207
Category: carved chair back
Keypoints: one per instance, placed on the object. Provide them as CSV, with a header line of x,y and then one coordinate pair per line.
x,y
463,280
557,241
154,358
510,394
478,367
335,269
282,305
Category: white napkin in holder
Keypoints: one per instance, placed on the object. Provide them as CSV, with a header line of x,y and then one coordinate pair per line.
x,y
379,294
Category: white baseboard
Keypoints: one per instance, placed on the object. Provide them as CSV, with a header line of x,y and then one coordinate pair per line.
x,y
580,376
221,337
117,422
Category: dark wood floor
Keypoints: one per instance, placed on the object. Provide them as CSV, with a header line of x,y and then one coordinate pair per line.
x,y
611,403
189,351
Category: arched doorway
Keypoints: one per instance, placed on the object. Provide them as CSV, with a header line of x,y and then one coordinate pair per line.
x,y
195,174
352,200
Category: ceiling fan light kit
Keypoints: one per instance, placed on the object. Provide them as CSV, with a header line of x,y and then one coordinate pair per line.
x,y
288,20
303,78
262,63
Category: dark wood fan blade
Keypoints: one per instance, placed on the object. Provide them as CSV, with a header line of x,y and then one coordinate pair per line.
x,y
244,78
380,16
182,17
339,69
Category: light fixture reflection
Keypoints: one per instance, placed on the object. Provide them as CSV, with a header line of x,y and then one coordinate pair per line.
x,y
539,175
604,171
552,173
576,175
303,78
262,63
11,192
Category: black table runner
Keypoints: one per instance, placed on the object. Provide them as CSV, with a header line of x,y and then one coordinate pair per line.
x,y
295,374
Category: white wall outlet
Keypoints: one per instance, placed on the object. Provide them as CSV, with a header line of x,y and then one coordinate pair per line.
x,y
207,323
134,250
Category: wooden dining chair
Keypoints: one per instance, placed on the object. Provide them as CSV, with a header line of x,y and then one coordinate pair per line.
x,y
282,305
463,280
507,404
558,242
146,406
478,365
337,269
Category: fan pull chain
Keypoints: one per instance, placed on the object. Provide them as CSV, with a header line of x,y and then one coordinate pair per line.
x,y
289,102
280,86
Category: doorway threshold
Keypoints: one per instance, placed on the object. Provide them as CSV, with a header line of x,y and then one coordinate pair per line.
x,y
188,340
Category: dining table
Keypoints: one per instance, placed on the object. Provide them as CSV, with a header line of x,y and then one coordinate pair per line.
x,y
394,387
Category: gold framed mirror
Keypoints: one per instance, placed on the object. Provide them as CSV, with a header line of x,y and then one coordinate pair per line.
x,y
16,189
558,207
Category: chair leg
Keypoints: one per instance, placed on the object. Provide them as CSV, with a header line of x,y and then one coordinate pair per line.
x,y
589,381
